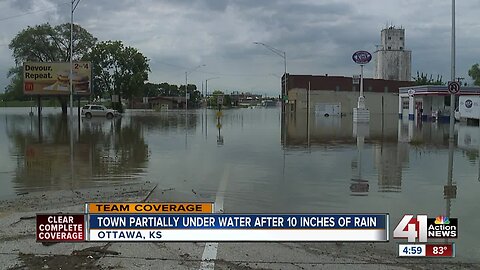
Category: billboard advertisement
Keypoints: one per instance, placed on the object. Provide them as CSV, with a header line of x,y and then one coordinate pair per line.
x,y
53,78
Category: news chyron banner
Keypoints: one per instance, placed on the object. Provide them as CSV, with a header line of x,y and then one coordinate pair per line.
x,y
183,222
53,78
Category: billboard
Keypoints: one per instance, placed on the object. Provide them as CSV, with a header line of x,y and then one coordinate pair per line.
x,y
53,78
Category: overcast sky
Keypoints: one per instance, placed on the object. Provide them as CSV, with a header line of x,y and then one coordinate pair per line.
x,y
318,36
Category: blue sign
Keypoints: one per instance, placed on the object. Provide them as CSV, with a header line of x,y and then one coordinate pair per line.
x,y
362,57
468,103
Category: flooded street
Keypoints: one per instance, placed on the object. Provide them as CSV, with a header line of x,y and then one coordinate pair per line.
x,y
255,162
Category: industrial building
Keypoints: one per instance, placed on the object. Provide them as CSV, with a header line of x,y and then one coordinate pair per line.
x,y
392,60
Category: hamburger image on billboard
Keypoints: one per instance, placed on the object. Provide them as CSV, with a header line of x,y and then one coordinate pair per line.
x,y
43,78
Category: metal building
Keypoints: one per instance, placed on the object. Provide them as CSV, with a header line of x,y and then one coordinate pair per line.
x,y
392,60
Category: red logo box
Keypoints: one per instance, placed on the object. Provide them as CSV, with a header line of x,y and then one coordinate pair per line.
x,y
60,227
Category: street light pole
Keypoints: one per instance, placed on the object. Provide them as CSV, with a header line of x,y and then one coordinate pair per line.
x,y
452,96
282,54
74,6
186,84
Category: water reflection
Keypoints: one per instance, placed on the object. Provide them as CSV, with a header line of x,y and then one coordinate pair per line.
x,y
359,185
219,127
418,170
105,150
389,142
276,164
384,140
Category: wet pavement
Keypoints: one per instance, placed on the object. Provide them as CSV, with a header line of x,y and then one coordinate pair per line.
x,y
251,163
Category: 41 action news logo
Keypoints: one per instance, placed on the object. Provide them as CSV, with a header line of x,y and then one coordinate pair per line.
x,y
421,228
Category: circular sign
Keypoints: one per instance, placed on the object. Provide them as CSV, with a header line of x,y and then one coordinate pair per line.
x,y
453,87
411,92
468,103
361,57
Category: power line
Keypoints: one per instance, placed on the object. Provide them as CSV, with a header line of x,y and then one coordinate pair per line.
x,y
30,12
212,73
233,74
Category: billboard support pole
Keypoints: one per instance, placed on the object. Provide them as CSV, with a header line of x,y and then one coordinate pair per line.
x,y
78,113
39,107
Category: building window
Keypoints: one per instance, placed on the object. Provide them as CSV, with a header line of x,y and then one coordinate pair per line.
x,y
401,48
401,38
389,38
389,48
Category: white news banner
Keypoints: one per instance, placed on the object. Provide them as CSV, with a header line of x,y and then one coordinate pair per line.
x,y
219,235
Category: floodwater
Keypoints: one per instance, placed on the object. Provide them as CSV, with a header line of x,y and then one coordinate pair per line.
x,y
256,162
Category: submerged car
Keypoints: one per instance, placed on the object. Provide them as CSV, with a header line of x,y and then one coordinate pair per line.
x,y
92,110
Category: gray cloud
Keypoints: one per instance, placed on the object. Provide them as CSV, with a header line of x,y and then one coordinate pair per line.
x,y
318,36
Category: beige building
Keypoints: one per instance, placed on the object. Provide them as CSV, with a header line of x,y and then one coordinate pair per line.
x,y
339,95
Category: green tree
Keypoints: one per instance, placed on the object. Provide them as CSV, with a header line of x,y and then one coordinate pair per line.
x,y
424,79
212,100
167,89
474,73
14,90
151,90
195,95
44,43
118,70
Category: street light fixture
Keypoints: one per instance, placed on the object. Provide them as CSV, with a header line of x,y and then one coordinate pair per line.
x,y
282,54
186,83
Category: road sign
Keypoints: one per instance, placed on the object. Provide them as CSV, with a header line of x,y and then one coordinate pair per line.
x,y
361,57
453,87
411,92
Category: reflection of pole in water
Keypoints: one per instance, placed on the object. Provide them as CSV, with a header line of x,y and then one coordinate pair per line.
x,y
71,152
39,106
283,138
31,122
206,124
186,127
219,126
358,185
308,116
410,131
449,190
